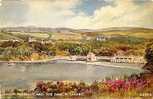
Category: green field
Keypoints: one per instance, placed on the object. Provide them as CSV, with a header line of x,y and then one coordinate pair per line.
x,y
79,35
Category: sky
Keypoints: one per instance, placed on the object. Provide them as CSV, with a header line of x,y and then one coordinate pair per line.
x,y
78,14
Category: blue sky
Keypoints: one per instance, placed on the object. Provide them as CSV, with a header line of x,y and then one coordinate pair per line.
x,y
91,14
89,6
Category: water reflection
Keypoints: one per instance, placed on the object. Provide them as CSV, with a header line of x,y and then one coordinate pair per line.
x,y
21,75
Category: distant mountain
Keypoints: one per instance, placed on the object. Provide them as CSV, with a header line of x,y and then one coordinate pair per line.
x,y
134,29
69,30
38,30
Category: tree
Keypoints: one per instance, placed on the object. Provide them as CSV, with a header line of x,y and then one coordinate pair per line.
x,y
105,51
149,58
10,44
39,47
85,49
8,53
16,91
20,52
1,50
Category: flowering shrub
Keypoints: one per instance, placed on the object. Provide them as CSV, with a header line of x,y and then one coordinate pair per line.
x,y
134,84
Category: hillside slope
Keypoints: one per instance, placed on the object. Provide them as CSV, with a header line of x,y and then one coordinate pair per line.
x,y
72,34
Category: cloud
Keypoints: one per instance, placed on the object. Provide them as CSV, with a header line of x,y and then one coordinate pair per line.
x,y
52,13
12,12
62,13
0,2
122,13
36,12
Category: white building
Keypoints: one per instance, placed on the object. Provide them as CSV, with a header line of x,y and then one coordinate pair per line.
x,y
73,58
128,59
46,41
91,57
30,39
100,38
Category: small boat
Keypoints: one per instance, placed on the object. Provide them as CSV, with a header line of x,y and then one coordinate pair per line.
x,y
39,94
11,64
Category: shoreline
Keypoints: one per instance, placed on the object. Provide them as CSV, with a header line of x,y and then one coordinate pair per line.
x,y
68,60
109,64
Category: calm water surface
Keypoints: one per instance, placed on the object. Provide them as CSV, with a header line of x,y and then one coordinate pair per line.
x,y
21,76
